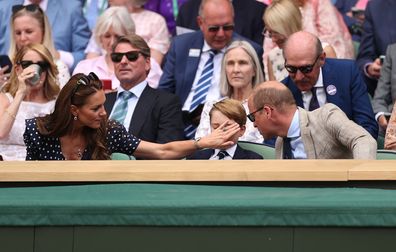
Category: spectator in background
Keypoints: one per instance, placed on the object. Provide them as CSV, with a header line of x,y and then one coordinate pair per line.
x,y
315,80
149,25
247,19
325,133
385,93
222,111
149,114
282,19
26,96
78,129
32,26
70,30
200,52
240,73
321,18
92,9
353,13
169,9
112,24
379,32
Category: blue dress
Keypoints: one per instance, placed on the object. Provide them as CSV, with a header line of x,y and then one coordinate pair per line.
x,y
40,147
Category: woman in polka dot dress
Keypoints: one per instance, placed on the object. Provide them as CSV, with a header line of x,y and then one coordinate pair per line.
x,y
78,129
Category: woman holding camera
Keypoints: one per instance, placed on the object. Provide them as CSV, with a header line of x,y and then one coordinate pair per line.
x,y
31,91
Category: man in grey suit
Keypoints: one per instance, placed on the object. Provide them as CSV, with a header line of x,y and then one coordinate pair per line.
x,y
385,93
325,133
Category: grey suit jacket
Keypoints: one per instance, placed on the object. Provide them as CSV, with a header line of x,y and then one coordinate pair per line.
x,y
327,133
385,93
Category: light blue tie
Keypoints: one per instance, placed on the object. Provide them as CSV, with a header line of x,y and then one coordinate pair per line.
x,y
202,88
121,110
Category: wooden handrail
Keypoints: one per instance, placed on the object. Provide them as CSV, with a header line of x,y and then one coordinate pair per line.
x,y
197,170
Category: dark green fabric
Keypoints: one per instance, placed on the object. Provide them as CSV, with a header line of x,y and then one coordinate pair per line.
x,y
196,205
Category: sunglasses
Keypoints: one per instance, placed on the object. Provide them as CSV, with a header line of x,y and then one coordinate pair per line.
x,y
131,56
86,80
270,34
26,63
251,115
216,28
30,8
303,69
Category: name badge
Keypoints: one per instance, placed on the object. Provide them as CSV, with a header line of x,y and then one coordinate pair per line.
x,y
194,52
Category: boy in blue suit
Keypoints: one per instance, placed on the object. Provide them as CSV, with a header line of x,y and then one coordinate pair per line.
x,y
227,109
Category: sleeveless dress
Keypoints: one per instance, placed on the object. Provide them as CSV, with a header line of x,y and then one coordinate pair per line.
x,y
13,146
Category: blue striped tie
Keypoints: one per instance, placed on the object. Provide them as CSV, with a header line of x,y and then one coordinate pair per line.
x,y
203,83
121,110
201,90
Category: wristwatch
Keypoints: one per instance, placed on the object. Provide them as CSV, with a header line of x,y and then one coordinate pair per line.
x,y
196,140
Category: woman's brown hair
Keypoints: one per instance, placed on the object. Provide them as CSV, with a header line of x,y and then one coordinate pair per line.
x,y
60,122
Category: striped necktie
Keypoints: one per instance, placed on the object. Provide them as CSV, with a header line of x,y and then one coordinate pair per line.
x,y
121,110
201,90
203,83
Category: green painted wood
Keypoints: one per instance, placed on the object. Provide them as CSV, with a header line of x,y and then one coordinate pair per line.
x,y
16,239
49,239
344,239
191,239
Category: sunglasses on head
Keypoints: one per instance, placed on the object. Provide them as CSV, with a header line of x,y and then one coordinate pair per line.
x,y
216,28
131,56
30,8
303,69
251,115
86,80
26,63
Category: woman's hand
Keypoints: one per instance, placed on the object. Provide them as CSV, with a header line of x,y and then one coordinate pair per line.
x,y
221,137
23,80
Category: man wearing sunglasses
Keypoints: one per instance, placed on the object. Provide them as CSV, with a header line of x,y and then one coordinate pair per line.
x,y
187,60
325,133
316,80
149,114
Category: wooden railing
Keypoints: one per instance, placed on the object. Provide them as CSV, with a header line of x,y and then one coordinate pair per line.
x,y
189,171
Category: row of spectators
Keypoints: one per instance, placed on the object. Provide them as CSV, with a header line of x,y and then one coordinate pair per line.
x,y
223,58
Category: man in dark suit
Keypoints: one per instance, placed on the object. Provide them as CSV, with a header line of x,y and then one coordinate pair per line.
x,y
248,18
149,114
379,32
189,53
315,80
232,111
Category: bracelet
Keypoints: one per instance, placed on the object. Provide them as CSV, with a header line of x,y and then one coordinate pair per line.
x,y
196,144
9,113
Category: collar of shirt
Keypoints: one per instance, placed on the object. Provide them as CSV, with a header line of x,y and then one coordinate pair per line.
x,y
136,90
320,93
43,4
294,133
206,48
230,151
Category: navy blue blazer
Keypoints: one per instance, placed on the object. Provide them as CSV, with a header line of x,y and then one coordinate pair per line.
x,y
351,93
380,32
180,68
240,153
156,118
70,29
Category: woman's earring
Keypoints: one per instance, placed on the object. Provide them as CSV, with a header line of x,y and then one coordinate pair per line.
x,y
75,118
